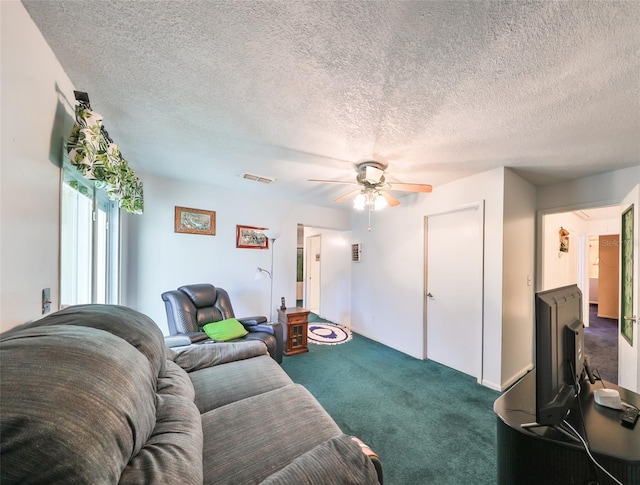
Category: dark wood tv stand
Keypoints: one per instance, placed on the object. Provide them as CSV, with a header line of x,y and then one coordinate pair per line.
x,y
543,455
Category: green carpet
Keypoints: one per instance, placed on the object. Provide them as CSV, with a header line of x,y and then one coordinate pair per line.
x,y
428,423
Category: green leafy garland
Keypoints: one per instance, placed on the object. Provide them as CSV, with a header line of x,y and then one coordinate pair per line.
x,y
97,158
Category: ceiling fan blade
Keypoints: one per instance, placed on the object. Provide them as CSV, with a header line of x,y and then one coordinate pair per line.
x,y
347,196
391,200
410,187
332,181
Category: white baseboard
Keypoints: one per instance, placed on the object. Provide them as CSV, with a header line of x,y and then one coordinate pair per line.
x,y
514,378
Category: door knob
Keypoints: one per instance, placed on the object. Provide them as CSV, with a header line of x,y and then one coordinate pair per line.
x,y
632,318
429,295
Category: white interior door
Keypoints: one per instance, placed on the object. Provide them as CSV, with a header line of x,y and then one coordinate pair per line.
x,y
628,347
313,274
454,287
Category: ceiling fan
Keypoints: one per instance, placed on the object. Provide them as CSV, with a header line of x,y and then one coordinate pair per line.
x,y
370,177
373,191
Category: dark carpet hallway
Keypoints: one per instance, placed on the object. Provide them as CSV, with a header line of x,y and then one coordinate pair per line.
x,y
601,345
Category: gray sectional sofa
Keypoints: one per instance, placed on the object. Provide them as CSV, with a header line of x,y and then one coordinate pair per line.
x,y
91,394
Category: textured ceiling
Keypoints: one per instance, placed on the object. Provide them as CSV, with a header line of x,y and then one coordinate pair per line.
x,y
207,90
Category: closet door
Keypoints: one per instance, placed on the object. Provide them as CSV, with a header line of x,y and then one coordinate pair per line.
x,y
455,242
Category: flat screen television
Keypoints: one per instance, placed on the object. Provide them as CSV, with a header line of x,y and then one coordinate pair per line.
x,y
559,352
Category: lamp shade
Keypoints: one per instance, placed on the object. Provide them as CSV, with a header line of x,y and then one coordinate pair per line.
x,y
359,202
379,203
271,234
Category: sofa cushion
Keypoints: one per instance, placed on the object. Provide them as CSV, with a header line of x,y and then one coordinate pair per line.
x,y
249,440
225,330
173,452
76,404
338,461
220,385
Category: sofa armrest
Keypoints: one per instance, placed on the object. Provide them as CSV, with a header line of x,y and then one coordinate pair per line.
x,y
337,460
177,341
277,331
251,321
373,456
196,336
272,328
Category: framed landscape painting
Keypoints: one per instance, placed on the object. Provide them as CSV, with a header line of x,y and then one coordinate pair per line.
x,y
250,237
195,221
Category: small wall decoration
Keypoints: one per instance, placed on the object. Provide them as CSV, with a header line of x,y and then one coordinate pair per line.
x,y
251,237
195,221
564,240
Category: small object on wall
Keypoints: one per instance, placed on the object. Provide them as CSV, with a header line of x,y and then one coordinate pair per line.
x,y
564,240
283,306
250,237
356,252
195,221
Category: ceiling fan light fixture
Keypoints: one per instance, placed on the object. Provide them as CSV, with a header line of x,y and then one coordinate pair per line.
x,y
370,199
380,202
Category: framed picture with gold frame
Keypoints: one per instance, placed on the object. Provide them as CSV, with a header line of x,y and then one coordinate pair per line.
x,y
195,221
250,237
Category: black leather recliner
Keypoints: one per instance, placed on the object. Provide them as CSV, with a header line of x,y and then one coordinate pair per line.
x,y
190,307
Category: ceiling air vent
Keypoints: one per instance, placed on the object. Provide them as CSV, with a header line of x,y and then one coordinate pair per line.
x,y
258,178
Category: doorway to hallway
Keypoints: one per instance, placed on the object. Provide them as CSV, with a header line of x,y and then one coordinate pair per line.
x,y
595,273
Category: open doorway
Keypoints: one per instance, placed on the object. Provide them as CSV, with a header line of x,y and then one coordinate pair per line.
x,y
323,273
580,247
300,267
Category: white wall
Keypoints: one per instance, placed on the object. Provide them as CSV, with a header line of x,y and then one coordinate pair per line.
x,y
518,279
388,285
36,118
603,227
558,268
335,274
157,259
598,190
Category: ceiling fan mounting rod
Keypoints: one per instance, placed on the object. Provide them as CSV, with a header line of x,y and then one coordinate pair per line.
x,y
371,163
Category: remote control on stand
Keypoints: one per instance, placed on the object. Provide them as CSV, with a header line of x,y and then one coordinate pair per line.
x,y
629,417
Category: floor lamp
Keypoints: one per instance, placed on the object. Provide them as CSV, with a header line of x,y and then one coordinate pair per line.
x,y
261,272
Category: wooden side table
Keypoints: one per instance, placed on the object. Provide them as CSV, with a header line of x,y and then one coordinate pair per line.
x,y
296,322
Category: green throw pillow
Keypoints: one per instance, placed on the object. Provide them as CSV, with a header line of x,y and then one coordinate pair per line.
x,y
225,330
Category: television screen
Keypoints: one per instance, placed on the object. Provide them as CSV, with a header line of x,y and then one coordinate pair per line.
x,y
559,352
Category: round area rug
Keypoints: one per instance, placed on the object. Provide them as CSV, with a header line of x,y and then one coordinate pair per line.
x,y
325,334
